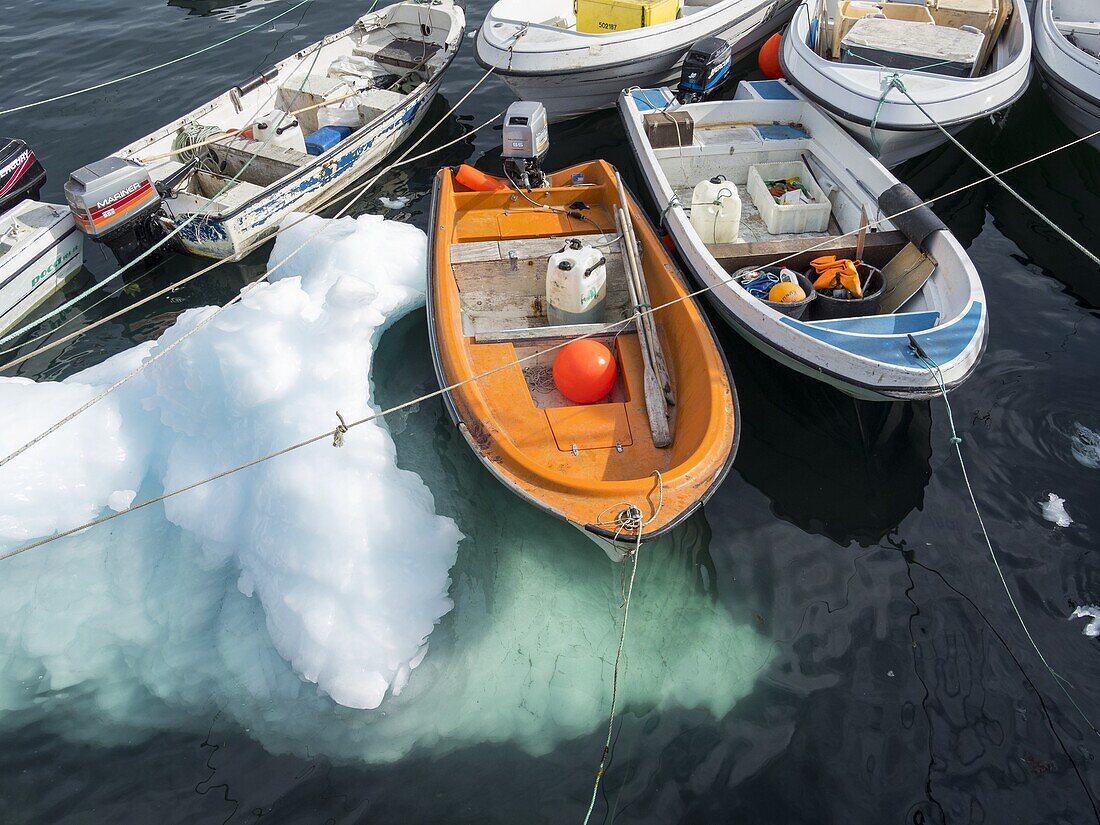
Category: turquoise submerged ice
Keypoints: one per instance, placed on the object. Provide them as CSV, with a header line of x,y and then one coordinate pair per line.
x,y
326,601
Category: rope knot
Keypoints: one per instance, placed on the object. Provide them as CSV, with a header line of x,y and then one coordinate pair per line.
x,y
340,431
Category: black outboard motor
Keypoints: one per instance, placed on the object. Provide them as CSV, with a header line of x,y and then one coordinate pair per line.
x,y
706,68
21,175
116,203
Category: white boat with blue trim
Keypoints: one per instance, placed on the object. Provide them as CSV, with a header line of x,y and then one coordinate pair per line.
x,y
1067,51
932,305
290,140
960,60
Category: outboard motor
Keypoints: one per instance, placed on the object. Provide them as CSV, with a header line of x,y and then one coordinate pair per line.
x,y
706,68
116,203
526,142
21,175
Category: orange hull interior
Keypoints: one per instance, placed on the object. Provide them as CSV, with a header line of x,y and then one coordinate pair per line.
x,y
579,462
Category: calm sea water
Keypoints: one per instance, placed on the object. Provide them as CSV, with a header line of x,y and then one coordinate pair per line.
x,y
898,685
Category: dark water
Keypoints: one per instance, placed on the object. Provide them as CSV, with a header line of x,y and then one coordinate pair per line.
x,y
901,687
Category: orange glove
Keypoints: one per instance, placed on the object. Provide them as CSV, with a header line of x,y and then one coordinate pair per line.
x,y
832,273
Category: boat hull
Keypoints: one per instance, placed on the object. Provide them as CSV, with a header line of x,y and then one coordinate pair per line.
x,y
34,270
235,234
885,120
576,81
585,488
1070,77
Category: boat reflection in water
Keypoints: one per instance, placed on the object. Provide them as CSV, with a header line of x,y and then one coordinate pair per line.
x,y
846,469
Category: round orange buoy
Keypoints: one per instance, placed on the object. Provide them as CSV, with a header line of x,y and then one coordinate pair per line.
x,y
786,293
585,371
769,58
477,180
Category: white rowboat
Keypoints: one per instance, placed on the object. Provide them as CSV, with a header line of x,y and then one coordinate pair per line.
x,y
868,357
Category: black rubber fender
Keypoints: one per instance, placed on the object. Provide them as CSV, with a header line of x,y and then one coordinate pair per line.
x,y
904,208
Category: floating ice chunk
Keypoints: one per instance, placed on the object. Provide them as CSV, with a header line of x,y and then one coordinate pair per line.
x,y
1085,445
1054,511
321,537
395,203
1088,612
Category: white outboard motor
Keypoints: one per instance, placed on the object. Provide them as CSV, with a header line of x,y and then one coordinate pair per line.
x,y
526,142
706,68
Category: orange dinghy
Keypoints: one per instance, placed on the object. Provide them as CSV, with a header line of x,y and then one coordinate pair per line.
x,y
642,458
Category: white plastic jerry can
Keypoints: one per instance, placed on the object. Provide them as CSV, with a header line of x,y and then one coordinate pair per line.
x,y
716,210
576,285
279,129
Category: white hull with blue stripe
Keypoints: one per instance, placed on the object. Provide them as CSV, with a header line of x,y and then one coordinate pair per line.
x,y
536,49
372,83
869,357
883,118
1067,51
40,249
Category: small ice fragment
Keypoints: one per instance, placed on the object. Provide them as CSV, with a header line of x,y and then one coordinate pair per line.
x,y
120,500
395,203
1088,612
890,673
1085,445
1054,510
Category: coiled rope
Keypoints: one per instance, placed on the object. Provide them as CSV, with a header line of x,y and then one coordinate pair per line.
x,y
156,68
451,387
956,441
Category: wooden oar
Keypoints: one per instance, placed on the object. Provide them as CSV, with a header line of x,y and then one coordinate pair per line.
x,y
630,244
655,402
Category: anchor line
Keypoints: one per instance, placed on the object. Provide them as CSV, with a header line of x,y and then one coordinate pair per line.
x,y
956,440
603,330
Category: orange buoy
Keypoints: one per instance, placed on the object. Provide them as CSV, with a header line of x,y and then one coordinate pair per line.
x,y
769,58
786,293
585,371
477,180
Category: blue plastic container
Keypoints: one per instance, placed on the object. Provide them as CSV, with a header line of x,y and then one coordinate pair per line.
x,y
325,138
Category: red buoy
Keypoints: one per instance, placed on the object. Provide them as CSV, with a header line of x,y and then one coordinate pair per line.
x,y
585,371
769,58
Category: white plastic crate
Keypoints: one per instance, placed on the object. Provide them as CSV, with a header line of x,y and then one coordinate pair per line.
x,y
782,219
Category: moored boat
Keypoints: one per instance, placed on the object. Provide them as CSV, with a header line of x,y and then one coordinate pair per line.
x,y
929,294
1067,51
543,54
961,60
225,174
40,245
585,463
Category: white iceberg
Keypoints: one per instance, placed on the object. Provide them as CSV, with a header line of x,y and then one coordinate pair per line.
x,y
1054,511
297,598
1088,612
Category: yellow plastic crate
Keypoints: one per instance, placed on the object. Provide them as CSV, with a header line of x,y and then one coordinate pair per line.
x,y
606,16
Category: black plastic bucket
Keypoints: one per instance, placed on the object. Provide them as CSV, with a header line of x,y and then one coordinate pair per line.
x,y
827,307
794,309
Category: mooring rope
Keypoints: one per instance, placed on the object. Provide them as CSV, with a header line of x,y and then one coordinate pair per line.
x,y
895,82
630,518
933,368
158,67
